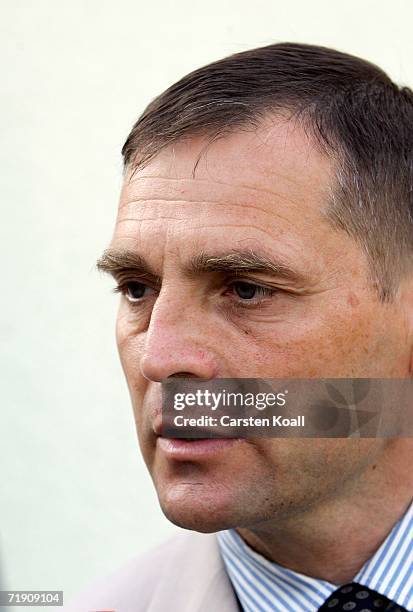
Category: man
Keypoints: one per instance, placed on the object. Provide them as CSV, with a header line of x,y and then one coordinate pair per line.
x,y
265,231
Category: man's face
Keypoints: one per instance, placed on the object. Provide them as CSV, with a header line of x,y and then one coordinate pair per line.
x,y
314,314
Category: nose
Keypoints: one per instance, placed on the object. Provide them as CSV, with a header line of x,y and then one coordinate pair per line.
x,y
177,341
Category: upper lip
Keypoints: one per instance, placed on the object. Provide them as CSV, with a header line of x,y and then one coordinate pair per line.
x,y
157,426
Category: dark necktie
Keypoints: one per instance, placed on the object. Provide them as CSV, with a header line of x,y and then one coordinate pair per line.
x,y
355,597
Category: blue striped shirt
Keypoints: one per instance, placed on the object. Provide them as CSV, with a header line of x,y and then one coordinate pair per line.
x,y
264,586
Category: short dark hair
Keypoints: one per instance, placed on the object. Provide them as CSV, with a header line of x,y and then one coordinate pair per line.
x,y
355,113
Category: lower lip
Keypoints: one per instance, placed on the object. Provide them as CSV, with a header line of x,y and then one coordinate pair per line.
x,y
185,450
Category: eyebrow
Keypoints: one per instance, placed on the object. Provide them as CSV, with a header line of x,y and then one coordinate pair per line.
x,y
114,261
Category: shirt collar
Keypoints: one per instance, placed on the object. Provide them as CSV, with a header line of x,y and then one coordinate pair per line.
x,y
262,585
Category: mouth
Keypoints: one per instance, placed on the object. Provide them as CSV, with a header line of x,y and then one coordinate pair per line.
x,y
187,449
190,448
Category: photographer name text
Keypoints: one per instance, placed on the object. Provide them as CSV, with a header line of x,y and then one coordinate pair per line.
x,y
227,421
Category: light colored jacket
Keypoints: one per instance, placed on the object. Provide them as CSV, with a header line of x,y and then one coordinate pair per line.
x,y
184,574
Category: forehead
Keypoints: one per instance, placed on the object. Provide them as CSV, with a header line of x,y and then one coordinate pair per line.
x,y
249,188
277,162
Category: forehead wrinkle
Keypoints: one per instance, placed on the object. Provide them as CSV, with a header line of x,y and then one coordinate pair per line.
x,y
268,196
135,220
198,201
237,225
292,248
249,187
252,207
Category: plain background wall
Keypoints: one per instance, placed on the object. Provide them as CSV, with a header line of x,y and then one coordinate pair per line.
x,y
76,500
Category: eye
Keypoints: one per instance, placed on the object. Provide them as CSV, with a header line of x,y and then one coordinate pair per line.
x,y
250,292
134,291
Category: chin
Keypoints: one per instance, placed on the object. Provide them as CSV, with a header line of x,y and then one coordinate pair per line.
x,y
198,508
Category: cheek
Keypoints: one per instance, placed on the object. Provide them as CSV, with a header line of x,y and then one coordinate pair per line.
x,y
315,464
337,345
127,336
137,385
130,349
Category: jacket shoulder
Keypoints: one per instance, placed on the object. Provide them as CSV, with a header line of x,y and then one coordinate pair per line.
x,y
131,588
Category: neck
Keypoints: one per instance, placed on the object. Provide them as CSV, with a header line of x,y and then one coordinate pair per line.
x,y
334,538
